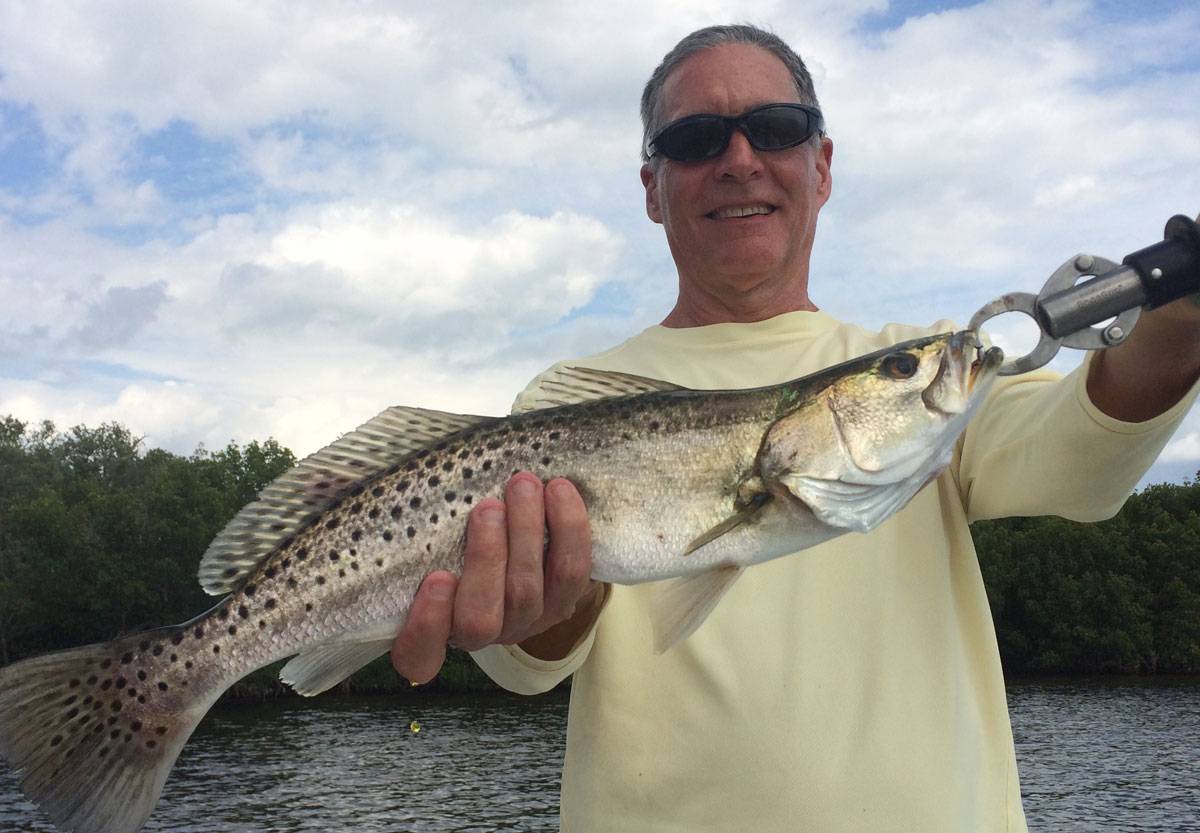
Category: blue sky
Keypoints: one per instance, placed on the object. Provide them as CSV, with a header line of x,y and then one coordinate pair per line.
x,y
222,221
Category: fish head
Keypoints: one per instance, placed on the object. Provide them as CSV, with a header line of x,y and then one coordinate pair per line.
x,y
859,446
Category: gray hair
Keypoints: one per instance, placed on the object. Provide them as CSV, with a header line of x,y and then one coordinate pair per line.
x,y
707,38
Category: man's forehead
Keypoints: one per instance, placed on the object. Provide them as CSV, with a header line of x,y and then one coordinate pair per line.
x,y
727,79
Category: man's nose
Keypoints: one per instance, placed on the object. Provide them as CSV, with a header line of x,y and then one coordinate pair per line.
x,y
740,161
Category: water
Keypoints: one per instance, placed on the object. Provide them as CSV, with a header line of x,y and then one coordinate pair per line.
x,y
1094,756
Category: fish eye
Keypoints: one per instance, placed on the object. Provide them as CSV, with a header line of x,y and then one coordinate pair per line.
x,y
900,365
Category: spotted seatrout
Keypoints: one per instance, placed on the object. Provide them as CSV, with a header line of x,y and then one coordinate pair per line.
x,y
685,485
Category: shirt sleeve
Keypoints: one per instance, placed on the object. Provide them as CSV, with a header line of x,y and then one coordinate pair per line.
x,y
1040,446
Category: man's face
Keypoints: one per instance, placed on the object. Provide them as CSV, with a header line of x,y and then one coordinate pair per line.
x,y
715,250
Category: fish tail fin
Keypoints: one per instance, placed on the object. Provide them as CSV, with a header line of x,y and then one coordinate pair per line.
x,y
92,733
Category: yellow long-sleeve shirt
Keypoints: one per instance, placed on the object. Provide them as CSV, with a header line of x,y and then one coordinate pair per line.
x,y
855,686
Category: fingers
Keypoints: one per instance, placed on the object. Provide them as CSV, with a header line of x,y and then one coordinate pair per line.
x,y
526,550
420,648
569,560
479,603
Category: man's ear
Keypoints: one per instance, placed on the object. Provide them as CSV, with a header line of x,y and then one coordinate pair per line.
x,y
650,183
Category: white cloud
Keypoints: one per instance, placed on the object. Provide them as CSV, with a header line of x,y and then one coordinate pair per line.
x,y
426,204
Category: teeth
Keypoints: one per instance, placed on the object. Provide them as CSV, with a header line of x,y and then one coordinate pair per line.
x,y
741,211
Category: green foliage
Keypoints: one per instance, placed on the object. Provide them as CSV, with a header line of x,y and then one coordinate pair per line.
x,y
1118,596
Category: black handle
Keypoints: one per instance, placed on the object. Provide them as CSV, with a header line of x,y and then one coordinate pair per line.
x,y
1170,269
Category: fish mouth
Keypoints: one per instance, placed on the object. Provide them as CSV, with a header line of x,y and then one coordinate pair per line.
x,y
964,366
986,363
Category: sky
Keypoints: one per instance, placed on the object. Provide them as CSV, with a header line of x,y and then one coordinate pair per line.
x,y
224,221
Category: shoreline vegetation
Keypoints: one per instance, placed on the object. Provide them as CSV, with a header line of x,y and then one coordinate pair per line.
x,y
100,536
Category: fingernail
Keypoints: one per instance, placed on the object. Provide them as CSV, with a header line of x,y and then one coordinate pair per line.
x,y
492,515
560,488
523,487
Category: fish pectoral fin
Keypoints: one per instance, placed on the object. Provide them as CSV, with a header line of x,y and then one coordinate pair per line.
x,y
322,667
682,604
743,514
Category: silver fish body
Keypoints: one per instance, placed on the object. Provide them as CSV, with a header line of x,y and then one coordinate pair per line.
x,y
680,484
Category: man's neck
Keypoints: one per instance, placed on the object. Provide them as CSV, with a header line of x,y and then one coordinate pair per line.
x,y
696,310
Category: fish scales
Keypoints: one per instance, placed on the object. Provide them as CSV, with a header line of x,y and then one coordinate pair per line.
x,y
678,483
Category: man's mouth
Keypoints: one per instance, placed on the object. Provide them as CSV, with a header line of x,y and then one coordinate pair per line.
x,y
735,211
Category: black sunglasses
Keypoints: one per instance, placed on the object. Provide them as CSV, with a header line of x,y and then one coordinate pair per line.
x,y
706,136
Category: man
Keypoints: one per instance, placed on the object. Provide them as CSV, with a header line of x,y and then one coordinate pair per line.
x,y
856,686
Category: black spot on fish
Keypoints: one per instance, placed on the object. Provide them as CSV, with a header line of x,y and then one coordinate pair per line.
x,y
412,466
126,659
150,744
493,445
462,455
287,542
554,435
158,649
320,579
106,685
467,499
243,612
302,553
269,604
487,465
333,555
224,614
291,582
142,676
454,513
448,466
435,480
74,683
333,523
216,650
106,663
162,686
353,565
402,486
451,496
387,535
232,630
535,445
92,680
411,532
230,572
433,519
377,491
120,682
188,664
308,606
357,489
250,590
374,513
468,473
396,512
176,639
261,624
161,730
287,562
174,657
431,463
269,572
56,740
545,461
415,502
378,562
341,573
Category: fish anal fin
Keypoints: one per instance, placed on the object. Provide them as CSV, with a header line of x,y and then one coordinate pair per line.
x,y
322,667
682,604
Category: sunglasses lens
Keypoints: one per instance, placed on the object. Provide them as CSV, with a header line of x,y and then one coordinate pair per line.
x,y
692,140
776,128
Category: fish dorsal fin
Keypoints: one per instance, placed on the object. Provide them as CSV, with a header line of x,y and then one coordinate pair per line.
x,y
570,385
682,604
302,493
